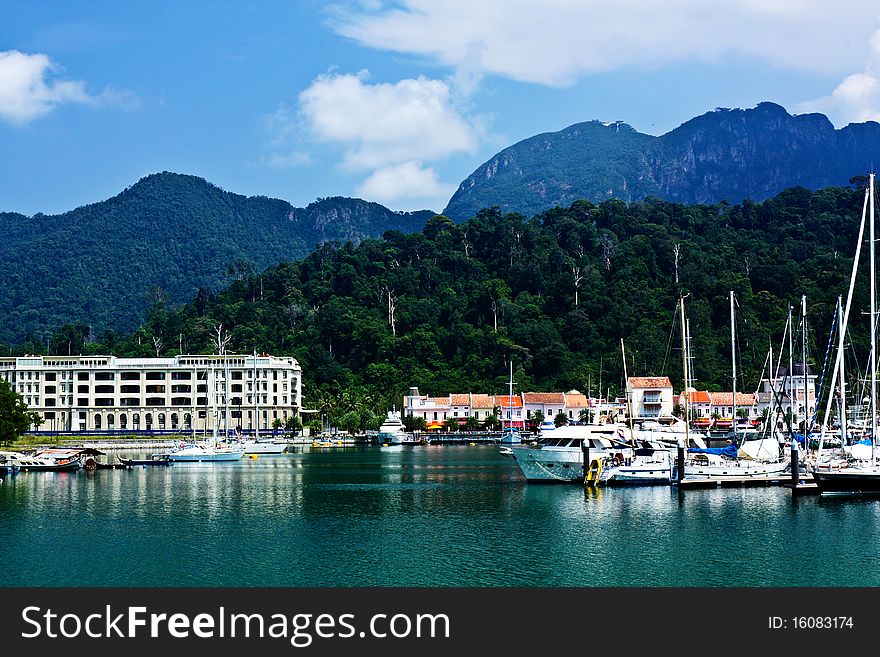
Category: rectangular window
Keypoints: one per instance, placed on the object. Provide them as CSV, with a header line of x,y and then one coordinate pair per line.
x,y
130,376
50,376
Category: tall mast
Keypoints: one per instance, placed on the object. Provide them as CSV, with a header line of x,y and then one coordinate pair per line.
x,y
804,366
510,399
733,361
629,411
689,383
687,392
845,320
792,401
873,332
841,330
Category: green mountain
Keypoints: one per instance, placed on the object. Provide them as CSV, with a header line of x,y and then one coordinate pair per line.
x,y
725,155
446,308
163,238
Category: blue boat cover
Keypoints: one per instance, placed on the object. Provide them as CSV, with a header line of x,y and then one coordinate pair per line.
x,y
799,437
729,451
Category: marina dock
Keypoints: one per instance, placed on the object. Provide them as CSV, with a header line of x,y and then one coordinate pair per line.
x,y
804,485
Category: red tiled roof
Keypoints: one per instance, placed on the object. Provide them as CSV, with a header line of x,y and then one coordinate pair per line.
x,y
482,401
697,396
439,401
576,400
650,382
726,398
543,398
505,402
460,400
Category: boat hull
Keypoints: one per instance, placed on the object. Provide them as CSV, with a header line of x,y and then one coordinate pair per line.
x,y
550,464
853,482
143,462
659,475
739,470
265,448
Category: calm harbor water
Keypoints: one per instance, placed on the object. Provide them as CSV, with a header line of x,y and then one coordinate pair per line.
x,y
416,516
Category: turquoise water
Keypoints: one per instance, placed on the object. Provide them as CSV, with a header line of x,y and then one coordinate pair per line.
x,y
416,516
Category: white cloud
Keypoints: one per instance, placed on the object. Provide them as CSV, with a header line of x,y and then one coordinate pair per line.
x,y
386,123
408,182
554,41
27,93
857,97
388,131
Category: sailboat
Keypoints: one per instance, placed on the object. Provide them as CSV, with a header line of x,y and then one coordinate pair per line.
x,y
510,435
731,462
850,475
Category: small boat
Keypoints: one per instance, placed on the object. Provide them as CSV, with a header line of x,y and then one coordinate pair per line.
x,y
129,463
649,465
264,446
196,453
12,461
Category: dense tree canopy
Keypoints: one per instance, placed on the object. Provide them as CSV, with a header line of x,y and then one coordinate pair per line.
x,y
446,309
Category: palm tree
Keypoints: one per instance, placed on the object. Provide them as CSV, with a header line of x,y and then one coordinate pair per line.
x,y
585,416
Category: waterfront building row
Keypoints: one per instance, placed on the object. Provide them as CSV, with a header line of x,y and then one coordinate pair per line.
x,y
186,392
515,410
646,398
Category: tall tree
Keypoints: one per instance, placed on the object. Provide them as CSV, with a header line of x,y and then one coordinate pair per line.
x,y
15,418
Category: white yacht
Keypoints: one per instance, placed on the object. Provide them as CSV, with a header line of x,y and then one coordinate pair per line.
x,y
559,453
264,446
730,463
392,430
197,452
649,465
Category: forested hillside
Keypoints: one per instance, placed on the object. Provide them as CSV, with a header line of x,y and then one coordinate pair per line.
x,y
162,239
447,307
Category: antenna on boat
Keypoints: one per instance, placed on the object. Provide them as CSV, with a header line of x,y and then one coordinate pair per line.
x,y
628,395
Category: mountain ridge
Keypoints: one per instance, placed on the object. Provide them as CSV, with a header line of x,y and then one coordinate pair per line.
x,y
168,234
723,155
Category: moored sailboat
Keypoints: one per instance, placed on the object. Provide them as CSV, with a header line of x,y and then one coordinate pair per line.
x,y
850,475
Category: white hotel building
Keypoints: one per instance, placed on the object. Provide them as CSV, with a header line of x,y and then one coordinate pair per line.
x,y
183,393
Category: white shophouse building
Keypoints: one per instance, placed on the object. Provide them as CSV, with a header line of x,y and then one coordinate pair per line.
x,y
184,393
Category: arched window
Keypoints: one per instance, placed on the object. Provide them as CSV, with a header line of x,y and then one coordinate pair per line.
x,y
174,420
187,421
136,421
161,420
98,422
111,421
149,421
123,421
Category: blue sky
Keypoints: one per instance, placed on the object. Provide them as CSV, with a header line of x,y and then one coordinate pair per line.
x,y
395,102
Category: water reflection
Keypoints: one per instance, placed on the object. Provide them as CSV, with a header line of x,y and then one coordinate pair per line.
x,y
444,516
